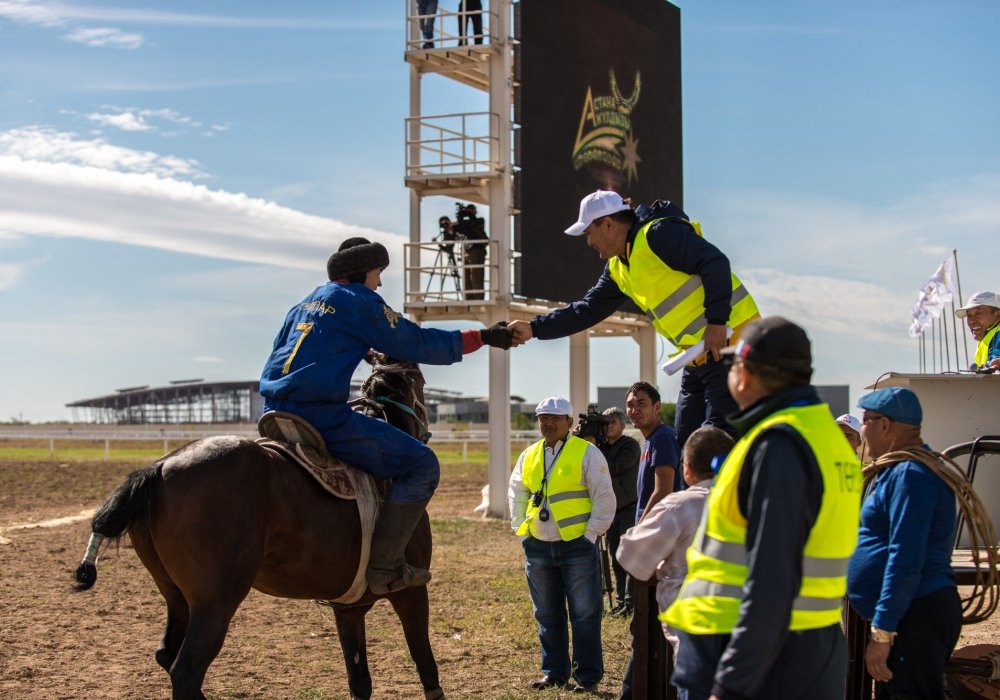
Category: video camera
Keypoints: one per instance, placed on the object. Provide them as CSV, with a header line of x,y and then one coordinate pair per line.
x,y
592,425
465,212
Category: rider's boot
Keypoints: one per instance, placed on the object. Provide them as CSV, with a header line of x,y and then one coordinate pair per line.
x,y
387,569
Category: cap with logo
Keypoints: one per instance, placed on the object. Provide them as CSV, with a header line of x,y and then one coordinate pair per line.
x,y
983,298
895,403
850,421
554,406
775,342
594,206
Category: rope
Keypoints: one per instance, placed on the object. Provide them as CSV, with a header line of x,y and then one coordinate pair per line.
x,y
984,598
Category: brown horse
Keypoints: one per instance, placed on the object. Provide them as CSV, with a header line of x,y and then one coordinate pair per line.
x,y
222,515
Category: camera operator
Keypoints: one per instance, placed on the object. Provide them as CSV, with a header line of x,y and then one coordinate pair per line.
x,y
622,453
470,227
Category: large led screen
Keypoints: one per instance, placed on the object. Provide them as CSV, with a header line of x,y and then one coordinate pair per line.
x,y
598,104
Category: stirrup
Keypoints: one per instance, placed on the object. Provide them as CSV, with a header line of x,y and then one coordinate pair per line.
x,y
381,581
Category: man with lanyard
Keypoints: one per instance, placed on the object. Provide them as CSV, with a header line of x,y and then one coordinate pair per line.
x,y
982,315
758,615
321,343
659,472
561,500
901,576
683,283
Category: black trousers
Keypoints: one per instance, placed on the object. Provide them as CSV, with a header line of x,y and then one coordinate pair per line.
x,y
624,519
927,635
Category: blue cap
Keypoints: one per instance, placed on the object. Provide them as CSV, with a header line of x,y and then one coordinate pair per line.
x,y
895,403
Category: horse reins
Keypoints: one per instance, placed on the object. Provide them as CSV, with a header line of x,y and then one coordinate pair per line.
x,y
379,400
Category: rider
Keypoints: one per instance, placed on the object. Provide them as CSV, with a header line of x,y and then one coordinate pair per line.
x,y
323,340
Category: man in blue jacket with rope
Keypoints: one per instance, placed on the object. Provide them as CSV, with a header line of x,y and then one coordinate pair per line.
x,y
323,340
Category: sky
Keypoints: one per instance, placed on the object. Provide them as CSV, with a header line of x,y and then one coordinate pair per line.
x,y
173,177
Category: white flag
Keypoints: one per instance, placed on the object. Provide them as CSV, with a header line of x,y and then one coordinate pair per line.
x,y
938,291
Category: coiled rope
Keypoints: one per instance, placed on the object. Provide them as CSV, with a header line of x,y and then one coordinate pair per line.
x,y
982,601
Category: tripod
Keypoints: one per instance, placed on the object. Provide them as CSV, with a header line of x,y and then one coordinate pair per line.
x,y
446,252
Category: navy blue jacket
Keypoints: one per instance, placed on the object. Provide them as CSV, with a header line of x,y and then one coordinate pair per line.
x,y
347,320
677,244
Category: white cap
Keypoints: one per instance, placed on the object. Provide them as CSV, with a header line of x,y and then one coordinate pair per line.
x,y
594,206
979,299
554,406
851,422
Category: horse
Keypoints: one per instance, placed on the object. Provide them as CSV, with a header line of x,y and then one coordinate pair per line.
x,y
222,515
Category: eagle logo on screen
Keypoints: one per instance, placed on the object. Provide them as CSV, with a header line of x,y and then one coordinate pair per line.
x,y
605,132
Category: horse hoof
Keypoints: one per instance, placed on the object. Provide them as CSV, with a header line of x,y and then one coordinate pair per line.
x,y
436,694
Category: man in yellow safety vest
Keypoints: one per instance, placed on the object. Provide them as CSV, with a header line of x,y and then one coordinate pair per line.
x,y
982,314
561,500
658,258
758,615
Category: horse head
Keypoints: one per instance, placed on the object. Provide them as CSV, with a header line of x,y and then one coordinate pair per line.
x,y
396,388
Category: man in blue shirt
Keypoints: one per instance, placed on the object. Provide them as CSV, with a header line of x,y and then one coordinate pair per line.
x,y
321,343
900,576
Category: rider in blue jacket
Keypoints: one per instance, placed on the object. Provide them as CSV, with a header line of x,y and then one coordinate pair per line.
x,y
323,340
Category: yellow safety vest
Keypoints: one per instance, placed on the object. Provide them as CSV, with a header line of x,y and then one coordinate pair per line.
x,y
983,349
674,301
709,600
566,497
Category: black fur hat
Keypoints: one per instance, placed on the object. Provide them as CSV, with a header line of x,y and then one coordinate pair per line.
x,y
356,256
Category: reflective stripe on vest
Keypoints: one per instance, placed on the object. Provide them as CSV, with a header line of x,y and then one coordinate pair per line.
x,y
709,601
674,301
983,349
565,497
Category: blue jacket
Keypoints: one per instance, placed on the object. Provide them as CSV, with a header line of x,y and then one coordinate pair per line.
x,y
678,245
904,543
325,337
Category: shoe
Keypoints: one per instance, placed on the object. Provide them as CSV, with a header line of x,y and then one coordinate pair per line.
x,y
546,682
428,45
387,569
623,611
583,688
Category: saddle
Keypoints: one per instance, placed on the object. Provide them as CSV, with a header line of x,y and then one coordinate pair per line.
x,y
300,443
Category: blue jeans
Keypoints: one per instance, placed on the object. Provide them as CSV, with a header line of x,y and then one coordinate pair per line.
x,y
427,7
373,446
561,573
704,399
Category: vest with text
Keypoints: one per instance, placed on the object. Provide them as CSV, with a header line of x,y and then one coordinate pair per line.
x,y
710,598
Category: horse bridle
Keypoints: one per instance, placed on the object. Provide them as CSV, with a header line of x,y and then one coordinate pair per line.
x,y
380,400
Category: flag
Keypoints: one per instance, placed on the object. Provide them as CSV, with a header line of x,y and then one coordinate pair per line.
x,y
939,290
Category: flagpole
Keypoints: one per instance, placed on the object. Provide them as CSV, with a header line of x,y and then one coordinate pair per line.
x,y
934,345
958,281
947,350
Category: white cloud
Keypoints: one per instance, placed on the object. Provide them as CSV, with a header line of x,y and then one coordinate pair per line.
x,y
55,185
101,37
10,274
126,121
39,145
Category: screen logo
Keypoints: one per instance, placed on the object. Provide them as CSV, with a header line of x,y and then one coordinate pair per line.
x,y
604,137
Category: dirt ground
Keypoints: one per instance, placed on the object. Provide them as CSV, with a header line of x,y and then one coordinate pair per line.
x,y
55,643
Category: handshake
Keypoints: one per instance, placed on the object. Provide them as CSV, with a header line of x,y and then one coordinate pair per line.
x,y
506,335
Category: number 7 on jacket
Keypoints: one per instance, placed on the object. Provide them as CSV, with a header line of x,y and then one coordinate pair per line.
x,y
305,328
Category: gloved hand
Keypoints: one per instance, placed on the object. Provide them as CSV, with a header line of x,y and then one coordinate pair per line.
x,y
498,335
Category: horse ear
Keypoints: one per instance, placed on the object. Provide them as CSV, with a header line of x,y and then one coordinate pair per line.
x,y
374,357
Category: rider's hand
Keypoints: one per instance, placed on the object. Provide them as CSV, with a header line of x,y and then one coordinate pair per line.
x,y
498,335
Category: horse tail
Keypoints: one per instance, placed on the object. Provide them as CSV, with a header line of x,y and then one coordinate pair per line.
x,y
130,503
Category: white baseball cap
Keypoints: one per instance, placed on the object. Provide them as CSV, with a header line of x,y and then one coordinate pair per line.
x,y
979,299
851,422
554,406
594,206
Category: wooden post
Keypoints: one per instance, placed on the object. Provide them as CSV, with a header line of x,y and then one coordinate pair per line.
x,y
652,661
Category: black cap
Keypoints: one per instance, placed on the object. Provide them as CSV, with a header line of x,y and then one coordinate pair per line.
x,y
774,342
355,256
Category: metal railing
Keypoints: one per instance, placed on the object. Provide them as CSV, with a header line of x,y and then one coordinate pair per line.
x,y
444,275
452,145
438,34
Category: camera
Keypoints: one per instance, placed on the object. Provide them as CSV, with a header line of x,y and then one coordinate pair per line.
x,y
465,212
592,425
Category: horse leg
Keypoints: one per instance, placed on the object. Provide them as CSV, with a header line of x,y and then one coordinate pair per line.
x,y
177,607
351,631
206,633
413,609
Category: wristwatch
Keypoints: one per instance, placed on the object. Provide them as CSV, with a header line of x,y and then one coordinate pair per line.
x,y
882,636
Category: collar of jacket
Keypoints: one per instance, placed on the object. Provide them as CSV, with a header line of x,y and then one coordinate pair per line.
x,y
746,419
